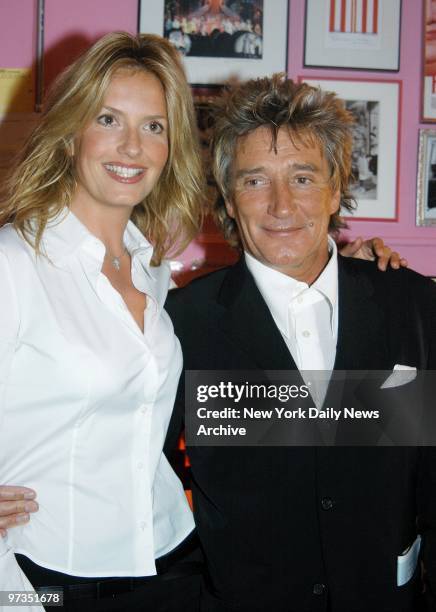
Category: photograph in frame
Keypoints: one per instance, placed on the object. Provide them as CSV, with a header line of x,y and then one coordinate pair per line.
x,y
429,63
375,106
221,39
426,187
204,99
357,34
216,252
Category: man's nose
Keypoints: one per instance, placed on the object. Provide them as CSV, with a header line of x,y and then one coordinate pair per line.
x,y
130,144
282,202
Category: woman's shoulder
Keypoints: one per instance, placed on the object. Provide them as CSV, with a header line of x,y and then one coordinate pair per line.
x,y
9,237
13,247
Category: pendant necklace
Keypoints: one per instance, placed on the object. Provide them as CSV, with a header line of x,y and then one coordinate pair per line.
x,y
115,260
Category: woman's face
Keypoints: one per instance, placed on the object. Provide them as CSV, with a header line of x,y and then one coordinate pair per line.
x,y
121,153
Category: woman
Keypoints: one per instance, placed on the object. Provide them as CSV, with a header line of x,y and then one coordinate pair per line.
x,y
89,364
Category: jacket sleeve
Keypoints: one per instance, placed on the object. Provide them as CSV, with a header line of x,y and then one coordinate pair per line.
x,y
427,483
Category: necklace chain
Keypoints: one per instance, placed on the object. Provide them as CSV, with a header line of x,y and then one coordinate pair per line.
x,y
115,260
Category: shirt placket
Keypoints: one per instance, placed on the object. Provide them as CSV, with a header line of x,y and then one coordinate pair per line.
x,y
143,505
308,342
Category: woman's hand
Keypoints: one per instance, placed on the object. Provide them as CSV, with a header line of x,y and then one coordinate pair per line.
x,y
372,249
16,505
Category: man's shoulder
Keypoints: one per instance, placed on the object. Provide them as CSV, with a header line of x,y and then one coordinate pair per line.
x,y
199,291
403,280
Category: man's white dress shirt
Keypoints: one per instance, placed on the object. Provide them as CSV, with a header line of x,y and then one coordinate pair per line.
x,y
85,402
306,316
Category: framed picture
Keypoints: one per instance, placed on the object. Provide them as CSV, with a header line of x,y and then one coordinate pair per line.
x,y
353,34
222,39
214,252
204,98
376,107
426,187
429,63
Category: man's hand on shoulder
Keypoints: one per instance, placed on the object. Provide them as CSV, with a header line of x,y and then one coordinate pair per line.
x,y
374,249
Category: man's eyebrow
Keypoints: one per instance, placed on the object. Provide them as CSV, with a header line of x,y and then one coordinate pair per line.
x,y
304,167
248,171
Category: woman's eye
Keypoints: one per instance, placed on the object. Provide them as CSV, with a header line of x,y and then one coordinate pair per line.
x,y
106,120
155,127
303,180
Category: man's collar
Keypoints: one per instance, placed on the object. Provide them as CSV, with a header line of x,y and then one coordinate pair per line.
x,y
278,289
327,281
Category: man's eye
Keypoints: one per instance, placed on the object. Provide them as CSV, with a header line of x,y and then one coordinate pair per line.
x,y
303,180
106,120
253,182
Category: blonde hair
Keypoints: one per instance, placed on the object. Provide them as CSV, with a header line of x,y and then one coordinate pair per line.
x,y
44,180
275,102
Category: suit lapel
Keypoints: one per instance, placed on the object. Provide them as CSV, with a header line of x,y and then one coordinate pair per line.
x,y
361,331
247,321
361,340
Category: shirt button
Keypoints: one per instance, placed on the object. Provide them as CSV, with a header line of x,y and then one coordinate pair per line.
x,y
143,525
300,300
140,466
306,333
143,408
319,589
326,503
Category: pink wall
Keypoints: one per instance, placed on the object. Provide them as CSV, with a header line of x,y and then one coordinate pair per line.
x,y
72,24
418,244
17,38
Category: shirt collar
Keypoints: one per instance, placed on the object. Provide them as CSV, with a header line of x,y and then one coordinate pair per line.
x,y
279,289
65,235
327,281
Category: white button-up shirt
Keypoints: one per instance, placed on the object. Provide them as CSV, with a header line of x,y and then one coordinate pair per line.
x,y
85,401
307,316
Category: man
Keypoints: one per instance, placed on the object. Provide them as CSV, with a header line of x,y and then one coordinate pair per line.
x,y
302,529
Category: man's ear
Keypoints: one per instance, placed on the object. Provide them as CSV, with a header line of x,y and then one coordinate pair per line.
x,y
230,208
335,201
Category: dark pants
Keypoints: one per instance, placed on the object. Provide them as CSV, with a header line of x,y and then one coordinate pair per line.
x,y
176,588
175,595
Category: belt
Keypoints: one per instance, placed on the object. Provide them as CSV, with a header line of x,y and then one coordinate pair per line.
x,y
112,587
169,567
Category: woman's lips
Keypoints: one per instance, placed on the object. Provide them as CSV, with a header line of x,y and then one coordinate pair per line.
x,y
124,173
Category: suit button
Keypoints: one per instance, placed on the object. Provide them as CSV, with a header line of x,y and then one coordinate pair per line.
x,y
327,503
319,589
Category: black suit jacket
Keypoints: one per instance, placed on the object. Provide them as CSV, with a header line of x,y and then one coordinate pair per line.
x,y
312,528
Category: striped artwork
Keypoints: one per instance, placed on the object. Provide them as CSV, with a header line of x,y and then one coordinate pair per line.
x,y
354,16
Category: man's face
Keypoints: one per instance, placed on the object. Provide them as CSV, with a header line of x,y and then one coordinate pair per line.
x,y
282,202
